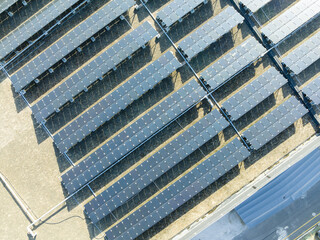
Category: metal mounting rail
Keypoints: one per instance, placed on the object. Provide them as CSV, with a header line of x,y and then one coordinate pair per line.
x,y
271,47
209,93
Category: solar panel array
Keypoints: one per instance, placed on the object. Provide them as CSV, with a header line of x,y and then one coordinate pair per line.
x,y
175,10
132,136
220,71
156,165
5,4
68,42
254,93
275,122
291,19
34,24
179,192
92,70
116,101
210,32
304,55
254,5
312,90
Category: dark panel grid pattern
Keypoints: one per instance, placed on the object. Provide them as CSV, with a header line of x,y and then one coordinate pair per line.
x,y
116,101
210,32
254,5
254,93
137,132
304,55
291,19
35,23
156,165
93,70
68,42
275,122
312,90
175,10
179,192
221,70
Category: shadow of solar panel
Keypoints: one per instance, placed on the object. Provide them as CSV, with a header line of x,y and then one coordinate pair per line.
x,y
85,76
68,42
291,19
254,93
312,90
304,55
117,100
157,164
224,68
255,5
210,32
175,10
190,184
121,144
275,122
34,24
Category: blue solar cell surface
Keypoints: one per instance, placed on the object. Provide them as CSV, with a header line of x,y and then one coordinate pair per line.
x,y
254,93
228,65
92,70
210,32
32,25
180,192
291,19
312,90
304,55
254,5
116,101
275,122
132,136
156,165
68,42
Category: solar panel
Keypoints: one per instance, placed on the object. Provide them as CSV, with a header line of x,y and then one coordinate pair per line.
x,y
220,71
74,38
254,5
117,100
210,32
275,122
254,93
189,185
132,136
304,55
81,79
175,10
5,4
291,19
144,174
28,28
312,90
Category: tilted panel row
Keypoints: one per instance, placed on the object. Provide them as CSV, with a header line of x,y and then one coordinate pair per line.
x,y
291,19
34,24
254,93
93,70
275,122
5,4
304,55
312,90
179,192
156,165
210,32
131,137
220,71
68,42
175,10
116,101
254,5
